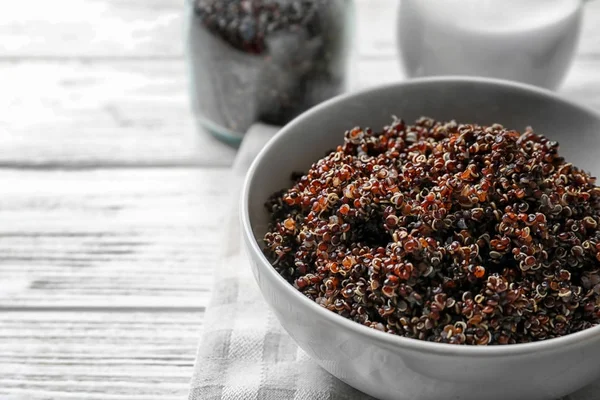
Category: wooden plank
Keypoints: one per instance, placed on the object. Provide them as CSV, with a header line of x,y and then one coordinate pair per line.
x,y
133,29
97,355
91,28
111,29
83,113
137,113
110,238
154,29
130,113
101,113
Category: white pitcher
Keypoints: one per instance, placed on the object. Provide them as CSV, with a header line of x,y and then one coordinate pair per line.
x,y
531,41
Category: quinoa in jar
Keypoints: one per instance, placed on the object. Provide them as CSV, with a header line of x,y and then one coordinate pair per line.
x,y
265,60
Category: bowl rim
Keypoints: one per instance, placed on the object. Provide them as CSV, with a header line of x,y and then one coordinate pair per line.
x,y
370,333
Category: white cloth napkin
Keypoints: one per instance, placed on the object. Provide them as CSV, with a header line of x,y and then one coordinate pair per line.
x,y
244,354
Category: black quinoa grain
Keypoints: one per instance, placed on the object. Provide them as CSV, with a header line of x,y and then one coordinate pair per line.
x,y
444,232
246,24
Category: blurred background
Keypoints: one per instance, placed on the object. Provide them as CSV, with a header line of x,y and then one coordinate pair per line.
x,y
86,81
109,78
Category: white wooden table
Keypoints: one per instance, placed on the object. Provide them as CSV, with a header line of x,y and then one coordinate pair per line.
x,y
110,199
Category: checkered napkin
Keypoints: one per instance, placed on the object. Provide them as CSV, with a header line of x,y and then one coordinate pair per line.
x,y
244,354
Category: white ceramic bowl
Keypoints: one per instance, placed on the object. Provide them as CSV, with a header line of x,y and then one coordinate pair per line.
x,y
392,367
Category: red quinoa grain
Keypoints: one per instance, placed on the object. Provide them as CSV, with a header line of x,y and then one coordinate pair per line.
x,y
445,232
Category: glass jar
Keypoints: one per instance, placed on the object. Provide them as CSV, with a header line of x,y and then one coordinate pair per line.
x,y
264,60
